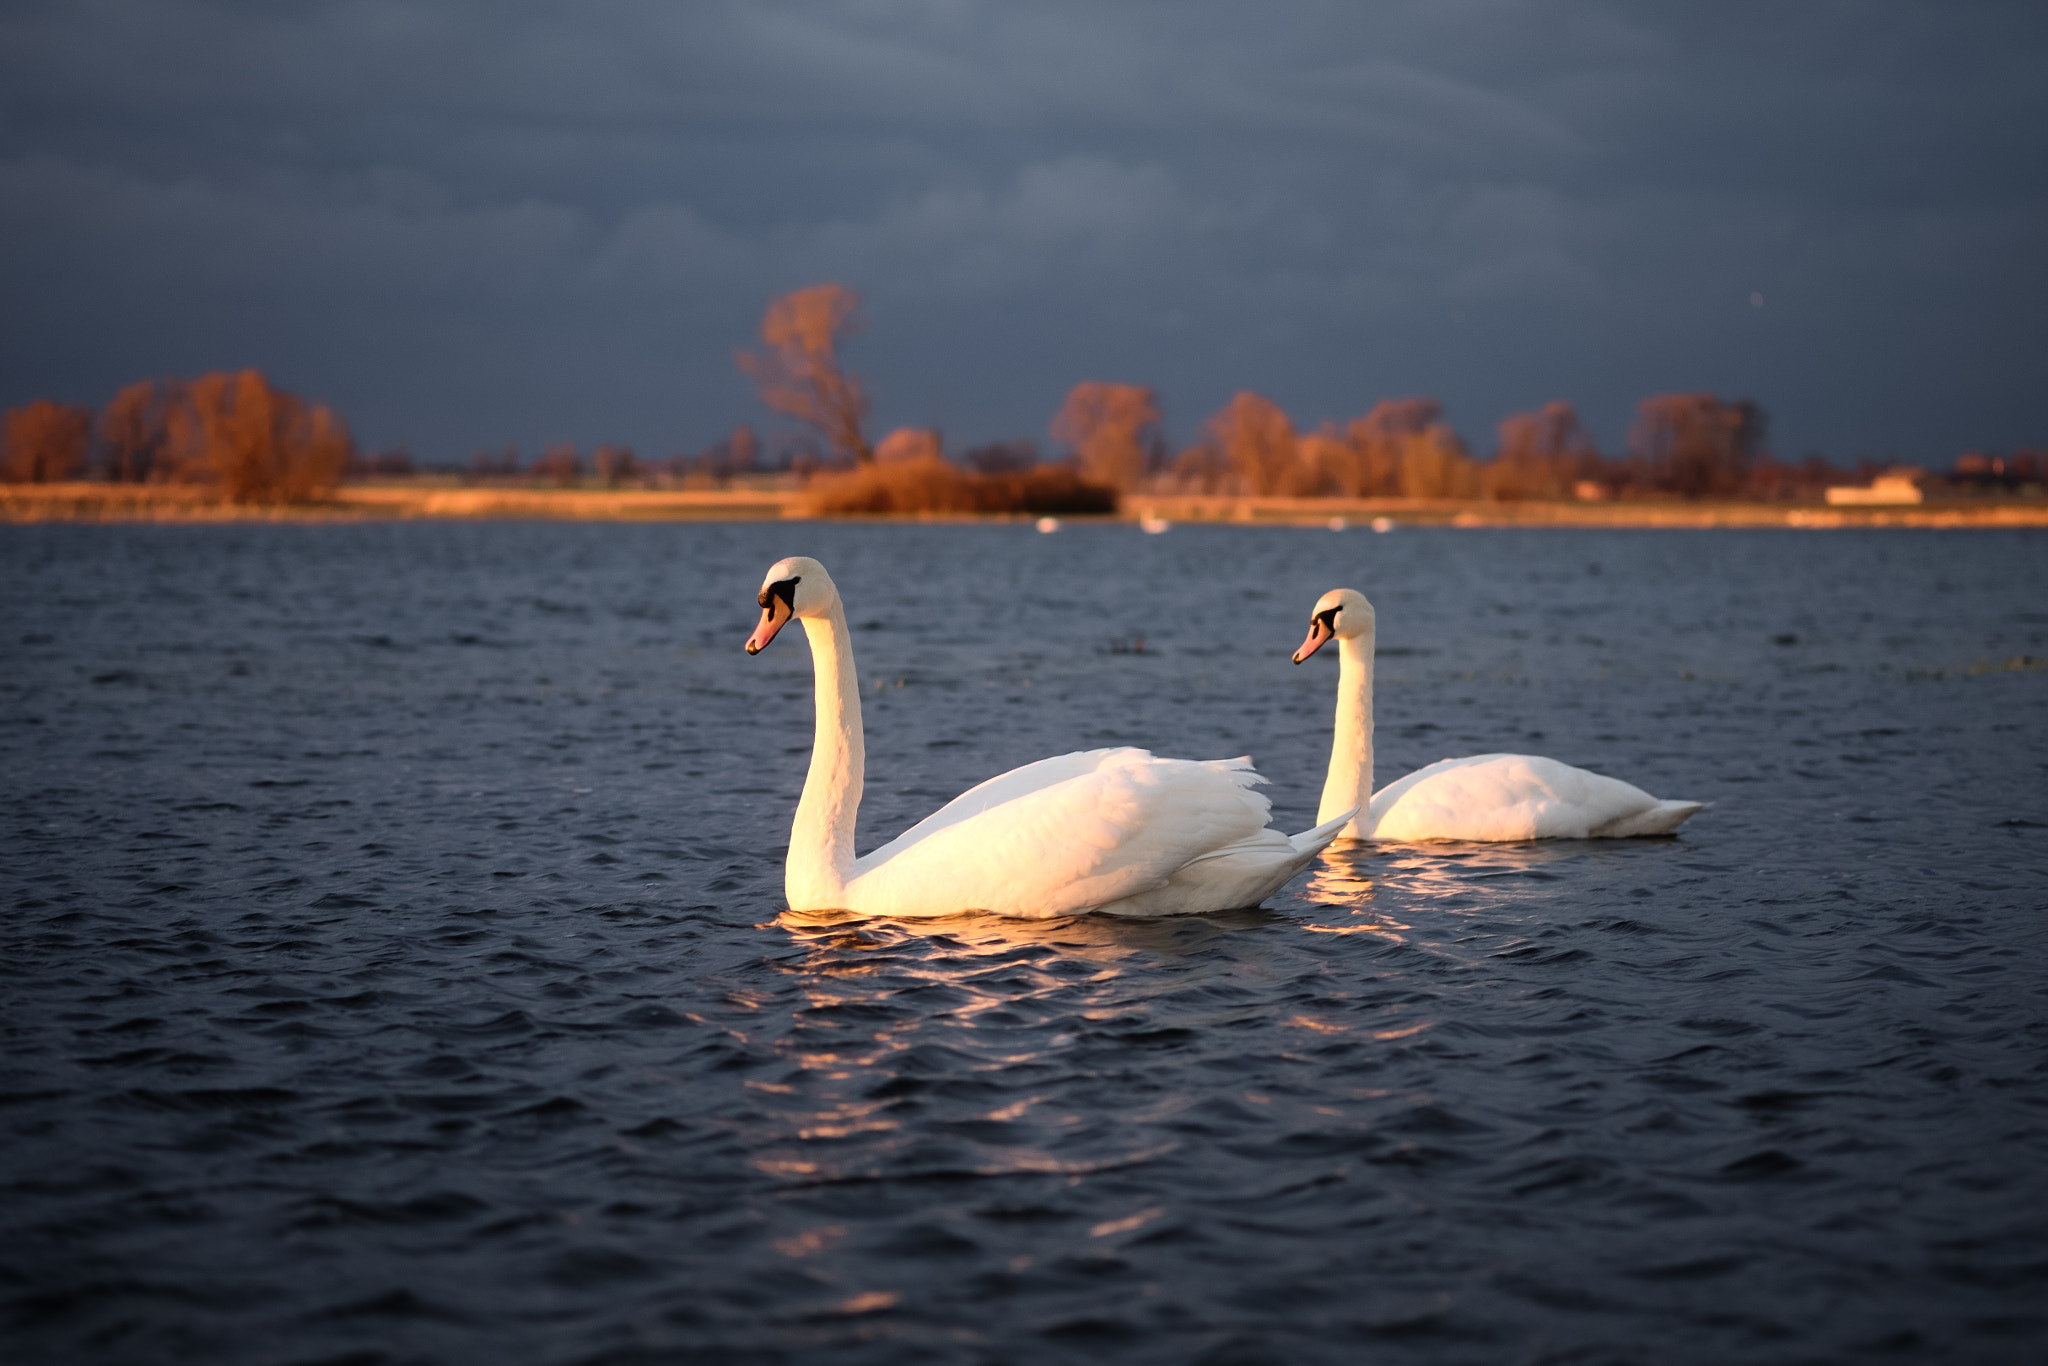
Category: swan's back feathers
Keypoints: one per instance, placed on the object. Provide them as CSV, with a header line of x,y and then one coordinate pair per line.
x,y
1513,797
1122,825
994,792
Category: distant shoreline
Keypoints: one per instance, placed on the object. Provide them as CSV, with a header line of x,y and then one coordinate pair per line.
x,y
107,502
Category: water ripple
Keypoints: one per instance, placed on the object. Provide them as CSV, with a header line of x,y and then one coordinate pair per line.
x,y
395,969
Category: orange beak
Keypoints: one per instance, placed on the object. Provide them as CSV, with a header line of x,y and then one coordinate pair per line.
x,y
774,615
1319,634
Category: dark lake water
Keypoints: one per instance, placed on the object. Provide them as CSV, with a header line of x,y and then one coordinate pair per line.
x,y
394,964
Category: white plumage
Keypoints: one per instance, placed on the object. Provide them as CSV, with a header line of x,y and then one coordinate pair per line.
x,y
1486,797
1113,830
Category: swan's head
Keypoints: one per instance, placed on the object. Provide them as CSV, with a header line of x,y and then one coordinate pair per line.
x,y
795,587
1340,614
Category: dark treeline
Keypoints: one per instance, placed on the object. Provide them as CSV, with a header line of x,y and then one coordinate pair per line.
x,y
255,442
1680,445
2021,471
258,443
1687,445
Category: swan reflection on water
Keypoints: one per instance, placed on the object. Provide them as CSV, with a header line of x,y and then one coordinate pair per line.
x,y
954,1045
1455,876
969,938
977,1017
892,1017
1354,873
1364,877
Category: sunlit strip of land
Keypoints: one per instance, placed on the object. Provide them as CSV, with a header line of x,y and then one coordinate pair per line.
x,y
84,501
94,501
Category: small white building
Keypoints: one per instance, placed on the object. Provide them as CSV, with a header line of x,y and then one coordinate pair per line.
x,y
1892,488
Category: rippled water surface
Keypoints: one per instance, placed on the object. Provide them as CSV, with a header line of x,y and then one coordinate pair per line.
x,y
394,964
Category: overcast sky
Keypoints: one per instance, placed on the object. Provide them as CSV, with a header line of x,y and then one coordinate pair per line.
x,y
469,223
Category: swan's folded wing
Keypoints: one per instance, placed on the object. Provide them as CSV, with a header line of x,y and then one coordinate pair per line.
x,y
1125,827
1499,797
1002,788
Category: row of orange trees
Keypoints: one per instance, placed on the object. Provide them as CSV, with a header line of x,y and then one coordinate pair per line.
x,y
1694,445
258,443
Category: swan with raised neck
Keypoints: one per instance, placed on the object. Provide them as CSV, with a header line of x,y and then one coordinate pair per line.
x,y
821,841
1114,830
1485,797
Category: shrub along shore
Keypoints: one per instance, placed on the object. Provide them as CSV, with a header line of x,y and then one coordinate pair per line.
x,y
92,501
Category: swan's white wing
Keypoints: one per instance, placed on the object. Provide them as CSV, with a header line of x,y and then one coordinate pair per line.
x,y
1502,797
1124,827
1228,879
997,790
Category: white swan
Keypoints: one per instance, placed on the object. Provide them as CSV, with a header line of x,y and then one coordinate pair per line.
x,y
1493,797
1113,830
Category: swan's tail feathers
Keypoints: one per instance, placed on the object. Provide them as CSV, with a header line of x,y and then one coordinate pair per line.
x,y
1661,819
1316,840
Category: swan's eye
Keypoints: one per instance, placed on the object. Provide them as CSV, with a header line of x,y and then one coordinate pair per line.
x,y
784,589
1329,619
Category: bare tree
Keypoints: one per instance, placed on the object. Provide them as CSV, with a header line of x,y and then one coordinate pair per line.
x,y
799,373
1378,441
1329,463
562,465
1434,465
733,455
1259,441
1113,430
47,441
1542,454
264,445
135,430
1404,446
1695,444
1202,468
1403,416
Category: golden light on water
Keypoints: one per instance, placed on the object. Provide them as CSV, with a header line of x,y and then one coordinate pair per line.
x,y
855,1046
810,1240
1129,1223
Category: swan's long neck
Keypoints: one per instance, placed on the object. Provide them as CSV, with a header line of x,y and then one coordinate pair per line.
x,y
1350,780
821,841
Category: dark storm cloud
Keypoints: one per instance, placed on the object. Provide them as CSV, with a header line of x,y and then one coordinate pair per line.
x,y
473,224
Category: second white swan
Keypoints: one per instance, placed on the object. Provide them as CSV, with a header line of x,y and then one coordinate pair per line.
x,y
1486,797
1113,830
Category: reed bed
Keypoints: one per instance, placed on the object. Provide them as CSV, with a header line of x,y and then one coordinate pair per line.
x,y
936,487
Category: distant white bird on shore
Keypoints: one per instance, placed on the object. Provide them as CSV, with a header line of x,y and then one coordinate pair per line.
x,y
1489,797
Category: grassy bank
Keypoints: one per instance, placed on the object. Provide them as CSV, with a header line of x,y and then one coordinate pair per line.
x,y
1671,513
100,502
